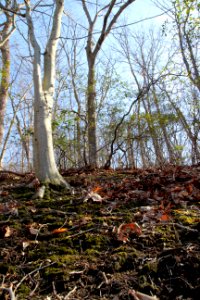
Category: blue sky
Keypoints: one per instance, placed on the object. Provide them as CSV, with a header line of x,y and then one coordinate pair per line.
x,y
140,9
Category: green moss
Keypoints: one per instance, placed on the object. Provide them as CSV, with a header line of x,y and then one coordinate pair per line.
x,y
66,250
119,260
17,226
23,291
187,216
95,241
131,251
92,252
23,193
64,259
151,266
53,271
47,193
143,281
164,235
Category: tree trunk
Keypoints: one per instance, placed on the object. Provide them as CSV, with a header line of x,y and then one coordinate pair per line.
x,y
92,50
163,128
91,115
6,32
44,159
4,85
153,133
193,138
130,150
186,42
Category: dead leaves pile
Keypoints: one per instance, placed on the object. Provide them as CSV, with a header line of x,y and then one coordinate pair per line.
x,y
154,212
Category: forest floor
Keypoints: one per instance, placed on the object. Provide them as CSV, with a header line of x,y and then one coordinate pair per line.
x,y
124,234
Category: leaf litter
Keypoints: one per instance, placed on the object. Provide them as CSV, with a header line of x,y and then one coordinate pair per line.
x,y
124,234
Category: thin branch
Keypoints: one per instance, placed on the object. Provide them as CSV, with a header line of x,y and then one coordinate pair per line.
x,y
141,94
107,28
116,27
13,11
86,12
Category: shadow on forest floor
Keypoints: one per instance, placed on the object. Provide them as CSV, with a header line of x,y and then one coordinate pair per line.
x,y
120,232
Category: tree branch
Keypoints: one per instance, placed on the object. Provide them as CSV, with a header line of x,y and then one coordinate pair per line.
x,y
107,28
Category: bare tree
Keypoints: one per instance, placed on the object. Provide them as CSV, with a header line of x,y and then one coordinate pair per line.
x,y
188,28
143,61
185,16
192,130
8,27
73,65
111,13
44,159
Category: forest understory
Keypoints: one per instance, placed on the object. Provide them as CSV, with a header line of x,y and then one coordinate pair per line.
x,y
121,234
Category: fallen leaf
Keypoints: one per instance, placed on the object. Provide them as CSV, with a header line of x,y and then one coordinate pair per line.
x,y
96,189
33,231
59,230
94,197
124,230
176,189
34,228
4,193
26,244
7,231
183,194
165,217
189,188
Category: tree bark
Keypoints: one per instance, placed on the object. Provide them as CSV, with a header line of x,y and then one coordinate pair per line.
x,y
92,50
44,158
91,114
4,85
163,127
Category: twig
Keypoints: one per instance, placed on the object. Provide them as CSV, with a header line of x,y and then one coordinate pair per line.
x,y
185,227
106,280
176,234
79,233
140,296
35,288
55,292
32,272
178,225
70,293
9,290
6,221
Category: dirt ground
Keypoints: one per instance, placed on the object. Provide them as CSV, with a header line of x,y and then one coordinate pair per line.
x,y
119,235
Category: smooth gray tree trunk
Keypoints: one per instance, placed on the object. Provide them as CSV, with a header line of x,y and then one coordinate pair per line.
x,y
44,159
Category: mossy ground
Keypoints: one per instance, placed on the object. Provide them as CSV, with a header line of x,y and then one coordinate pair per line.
x,y
87,259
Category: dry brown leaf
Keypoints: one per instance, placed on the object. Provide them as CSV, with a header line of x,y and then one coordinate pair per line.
x,y
34,228
26,244
4,193
94,197
7,231
59,230
124,231
33,231
96,189
183,194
